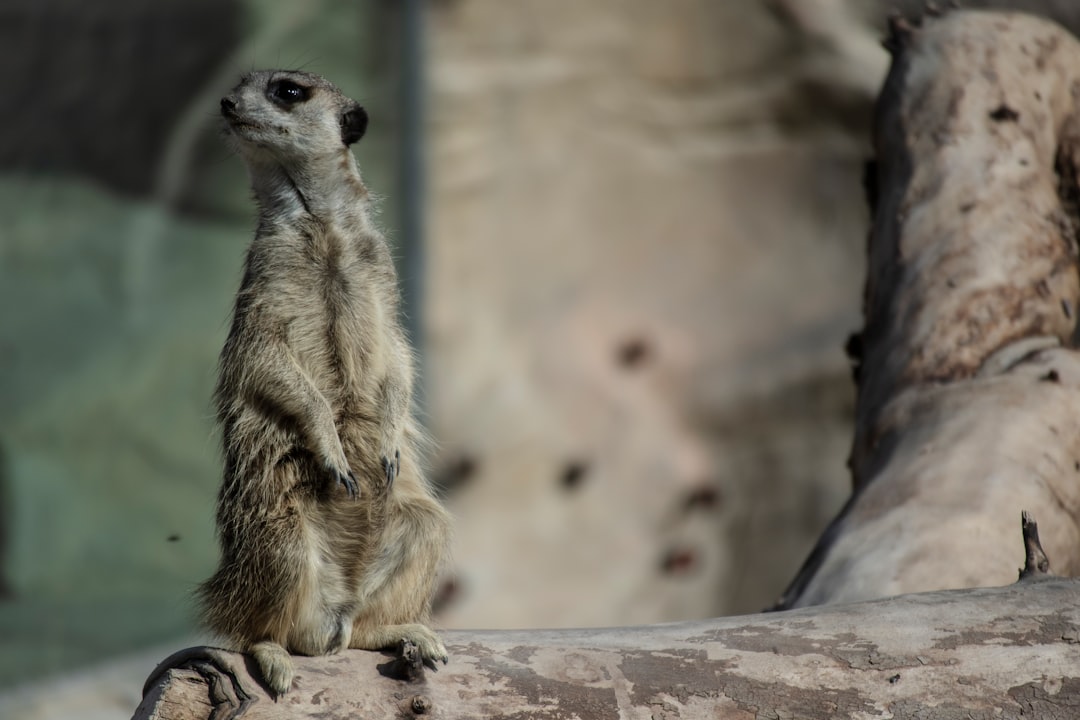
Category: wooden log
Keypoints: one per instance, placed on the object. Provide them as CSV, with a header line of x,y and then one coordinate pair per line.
x,y
968,390
996,652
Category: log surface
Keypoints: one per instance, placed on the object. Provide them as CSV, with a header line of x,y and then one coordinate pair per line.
x,y
997,652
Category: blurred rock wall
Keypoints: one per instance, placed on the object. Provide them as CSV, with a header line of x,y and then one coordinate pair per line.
x,y
645,254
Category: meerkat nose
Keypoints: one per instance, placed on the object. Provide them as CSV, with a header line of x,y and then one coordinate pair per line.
x,y
228,105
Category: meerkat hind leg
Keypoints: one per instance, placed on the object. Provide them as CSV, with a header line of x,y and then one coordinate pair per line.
x,y
276,665
400,586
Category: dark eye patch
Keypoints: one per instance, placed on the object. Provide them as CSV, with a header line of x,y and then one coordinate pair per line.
x,y
287,93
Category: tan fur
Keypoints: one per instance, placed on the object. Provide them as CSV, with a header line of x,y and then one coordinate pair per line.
x,y
322,547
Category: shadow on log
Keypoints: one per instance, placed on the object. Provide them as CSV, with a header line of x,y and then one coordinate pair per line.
x,y
967,412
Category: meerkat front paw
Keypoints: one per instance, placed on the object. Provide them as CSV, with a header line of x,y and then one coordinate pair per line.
x,y
346,480
339,475
336,466
275,664
391,468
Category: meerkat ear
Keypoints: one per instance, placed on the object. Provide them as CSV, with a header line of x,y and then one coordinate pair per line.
x,y
353,124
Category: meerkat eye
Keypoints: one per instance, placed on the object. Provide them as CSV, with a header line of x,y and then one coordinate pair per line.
x,y
286,92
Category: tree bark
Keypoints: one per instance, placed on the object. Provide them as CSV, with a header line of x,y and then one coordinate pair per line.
x,y
968,407
967,413
970,653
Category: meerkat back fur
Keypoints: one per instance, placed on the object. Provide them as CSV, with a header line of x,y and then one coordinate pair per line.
x,y
330,536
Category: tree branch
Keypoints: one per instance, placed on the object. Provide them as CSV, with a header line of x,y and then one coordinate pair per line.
x,y
1011,650
968,400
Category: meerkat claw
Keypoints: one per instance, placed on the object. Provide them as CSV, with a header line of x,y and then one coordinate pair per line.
x,y
348,481
391,468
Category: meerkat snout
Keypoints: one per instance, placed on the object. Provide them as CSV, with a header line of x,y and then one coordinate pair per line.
x,y
228,105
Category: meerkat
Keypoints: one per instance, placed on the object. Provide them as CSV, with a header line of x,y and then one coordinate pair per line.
x,y
330,535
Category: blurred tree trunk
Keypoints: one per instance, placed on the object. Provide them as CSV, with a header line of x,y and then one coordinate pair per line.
x,y
968,407
967,413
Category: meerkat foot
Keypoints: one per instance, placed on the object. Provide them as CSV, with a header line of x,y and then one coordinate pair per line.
x,y
276,665
385,636
391,468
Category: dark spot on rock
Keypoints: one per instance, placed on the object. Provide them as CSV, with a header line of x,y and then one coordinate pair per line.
x,y
1051,376
1004,113
679,561
704,497
894,679
175,537
448,591
456,473
573,475
632,353
967,207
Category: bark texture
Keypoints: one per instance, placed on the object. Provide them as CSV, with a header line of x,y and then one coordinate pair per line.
x,y
1002,652
968,407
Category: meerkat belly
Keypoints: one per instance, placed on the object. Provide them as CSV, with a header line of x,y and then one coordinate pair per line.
x,y
339,334
336,336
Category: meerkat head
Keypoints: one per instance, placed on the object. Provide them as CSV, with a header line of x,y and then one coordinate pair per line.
x,y
290,116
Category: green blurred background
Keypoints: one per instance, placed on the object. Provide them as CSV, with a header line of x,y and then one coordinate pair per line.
x,y
124,224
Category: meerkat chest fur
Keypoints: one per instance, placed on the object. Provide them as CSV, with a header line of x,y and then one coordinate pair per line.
x,y
334,290
319,295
